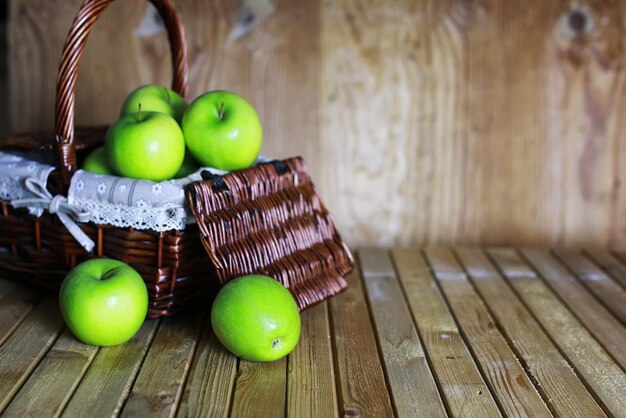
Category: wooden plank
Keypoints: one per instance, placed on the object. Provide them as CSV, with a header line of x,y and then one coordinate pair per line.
x,y
413,388
6,286
602,375
557,383
612,295
514,390
108,380
375,60
17,302
106,89
209,388
310,374
362,388
458,376
583,90
22,351
522,113
159,385
50,386
610,264
593,314
260,389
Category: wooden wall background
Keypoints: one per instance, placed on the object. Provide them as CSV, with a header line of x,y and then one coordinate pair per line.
x,y
432,121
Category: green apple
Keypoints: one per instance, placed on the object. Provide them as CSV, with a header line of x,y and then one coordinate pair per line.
x,y
103,301
145,145
96,162
256,318
223,130
189,166
155,98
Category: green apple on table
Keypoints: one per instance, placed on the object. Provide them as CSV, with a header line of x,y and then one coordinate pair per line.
x,y
154,98
104,302
96,162
222,130
145,145
256,318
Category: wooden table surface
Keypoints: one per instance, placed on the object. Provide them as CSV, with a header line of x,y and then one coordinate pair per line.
x,y
433,332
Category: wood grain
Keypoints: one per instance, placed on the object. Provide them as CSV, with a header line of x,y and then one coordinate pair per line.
x,y
604,326
583,69
610,264
463,145
414,335
605,378
5,287
209,388
159,385
37,32
514,390
108,380
362,388
310,375
15,304
411,382
554,377
462,384
445,122
22,351
611,294
52,383
260,389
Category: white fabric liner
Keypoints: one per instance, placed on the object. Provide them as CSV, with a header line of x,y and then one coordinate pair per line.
x,y
103,199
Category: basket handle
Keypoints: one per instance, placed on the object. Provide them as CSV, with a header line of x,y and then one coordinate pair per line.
x,y
68,72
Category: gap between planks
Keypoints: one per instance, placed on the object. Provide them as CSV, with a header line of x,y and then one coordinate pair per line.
x,y
513,388
530,277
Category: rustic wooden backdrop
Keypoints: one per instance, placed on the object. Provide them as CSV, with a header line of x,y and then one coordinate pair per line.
x,y
484,121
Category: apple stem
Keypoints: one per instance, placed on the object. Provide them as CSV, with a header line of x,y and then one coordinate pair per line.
x,y
139,112
221,111
110,273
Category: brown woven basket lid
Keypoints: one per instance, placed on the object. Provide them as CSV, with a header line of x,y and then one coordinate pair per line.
x,y
269,220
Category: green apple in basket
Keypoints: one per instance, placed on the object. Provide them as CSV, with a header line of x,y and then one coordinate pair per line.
x,y
223,130
145,145
96,162
103,301
154,98
256,318
189,166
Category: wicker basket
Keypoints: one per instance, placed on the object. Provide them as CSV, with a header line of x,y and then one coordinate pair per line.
x,y
266,219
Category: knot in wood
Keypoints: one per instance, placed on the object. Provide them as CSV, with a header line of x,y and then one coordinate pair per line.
x,y
578,21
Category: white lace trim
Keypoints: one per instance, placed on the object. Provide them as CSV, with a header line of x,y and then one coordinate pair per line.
x,y
105,200
164,218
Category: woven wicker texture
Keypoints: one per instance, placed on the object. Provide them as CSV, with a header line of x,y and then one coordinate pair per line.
x,y
287,233
270,220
